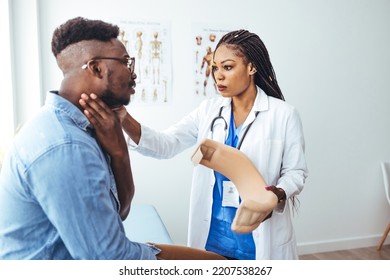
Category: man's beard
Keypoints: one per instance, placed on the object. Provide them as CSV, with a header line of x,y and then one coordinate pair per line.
x,y
111,101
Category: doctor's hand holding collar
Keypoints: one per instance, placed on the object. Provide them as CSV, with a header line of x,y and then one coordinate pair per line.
x,y
250,115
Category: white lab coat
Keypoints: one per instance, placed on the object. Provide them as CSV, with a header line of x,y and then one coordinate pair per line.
x,y
274,143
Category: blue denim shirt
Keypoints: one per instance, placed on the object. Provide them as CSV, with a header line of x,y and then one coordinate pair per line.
x,y
58,197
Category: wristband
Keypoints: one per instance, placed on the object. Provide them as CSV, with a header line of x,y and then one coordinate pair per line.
x,y
278,192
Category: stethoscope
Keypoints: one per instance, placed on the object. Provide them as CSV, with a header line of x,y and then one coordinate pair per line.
x,y
220,117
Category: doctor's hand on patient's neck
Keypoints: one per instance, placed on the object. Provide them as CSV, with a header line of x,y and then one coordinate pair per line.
x,y
121,112
129,124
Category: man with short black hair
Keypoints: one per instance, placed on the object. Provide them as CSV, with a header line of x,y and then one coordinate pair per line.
x,y
64,189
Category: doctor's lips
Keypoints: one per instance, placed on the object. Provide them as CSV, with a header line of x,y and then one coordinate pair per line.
x,y
221,87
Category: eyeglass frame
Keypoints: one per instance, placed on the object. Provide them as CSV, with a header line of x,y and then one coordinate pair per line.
x,y
130,63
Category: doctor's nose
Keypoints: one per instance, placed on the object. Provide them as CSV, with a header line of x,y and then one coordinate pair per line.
x,y
218,76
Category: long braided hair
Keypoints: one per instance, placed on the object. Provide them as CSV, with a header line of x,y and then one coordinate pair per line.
x,y
252,48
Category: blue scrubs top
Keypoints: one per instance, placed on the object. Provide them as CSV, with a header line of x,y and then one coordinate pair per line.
x,y
222,239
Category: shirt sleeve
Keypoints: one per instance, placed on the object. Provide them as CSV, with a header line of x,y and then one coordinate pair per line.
x,y
73,185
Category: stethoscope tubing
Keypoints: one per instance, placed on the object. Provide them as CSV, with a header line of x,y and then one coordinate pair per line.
x,y
226,125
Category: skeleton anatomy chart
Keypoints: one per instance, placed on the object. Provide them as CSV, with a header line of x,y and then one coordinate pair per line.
x,y
149,43
205,40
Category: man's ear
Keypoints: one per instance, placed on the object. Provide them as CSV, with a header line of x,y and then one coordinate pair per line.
x,y
95,68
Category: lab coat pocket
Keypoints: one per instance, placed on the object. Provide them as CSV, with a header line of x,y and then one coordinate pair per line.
x,y
282,229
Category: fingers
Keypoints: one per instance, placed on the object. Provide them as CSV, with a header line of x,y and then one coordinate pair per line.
x,y
88,110
98,114
121,112
94,106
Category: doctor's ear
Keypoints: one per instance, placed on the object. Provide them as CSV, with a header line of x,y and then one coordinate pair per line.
x,y
252,69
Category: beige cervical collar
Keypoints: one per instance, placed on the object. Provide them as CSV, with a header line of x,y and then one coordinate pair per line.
x,y
256,202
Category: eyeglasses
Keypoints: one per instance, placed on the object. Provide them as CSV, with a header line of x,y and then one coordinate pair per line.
x,y
129,61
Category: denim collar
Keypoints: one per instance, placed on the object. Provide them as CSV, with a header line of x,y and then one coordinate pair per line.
x,y
55,100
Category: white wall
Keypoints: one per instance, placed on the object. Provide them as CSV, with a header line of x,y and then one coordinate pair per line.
x,y
332,61
25,59
6,105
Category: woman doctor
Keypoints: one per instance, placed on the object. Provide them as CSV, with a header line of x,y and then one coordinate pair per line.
x,y
252,116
